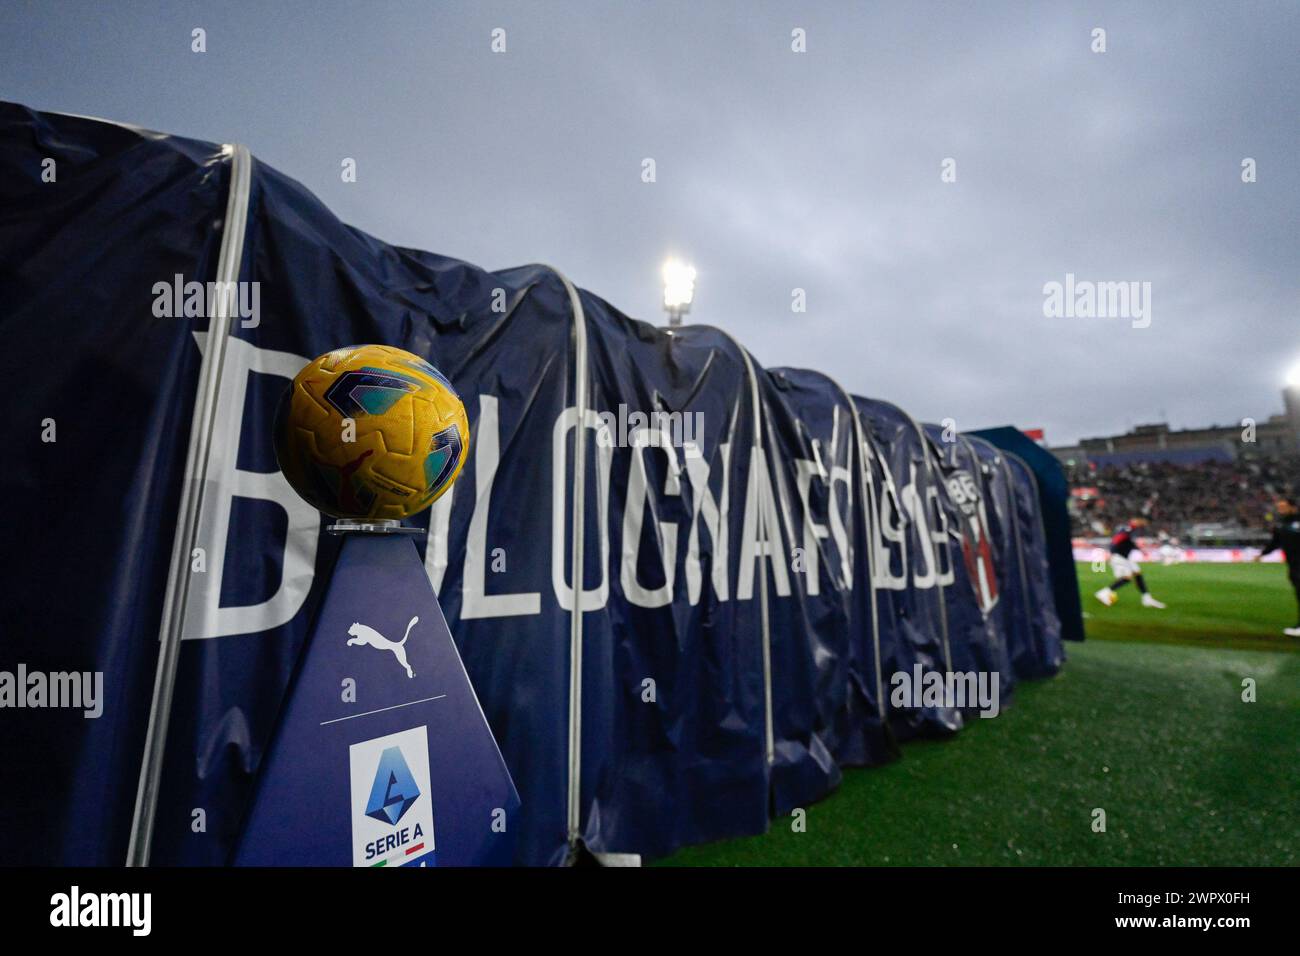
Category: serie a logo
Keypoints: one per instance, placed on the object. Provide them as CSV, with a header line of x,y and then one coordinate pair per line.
x,y
392,794
392,807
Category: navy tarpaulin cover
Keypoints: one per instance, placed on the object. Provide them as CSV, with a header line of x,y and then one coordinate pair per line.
x,y
1011,615
1053,495
504,341
673,706
684,545
807,699
978,644
824,468
130,209
912,563
79,257
808,631
1045,626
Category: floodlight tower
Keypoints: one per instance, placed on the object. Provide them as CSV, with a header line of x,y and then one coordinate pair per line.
x,y
1291,400
679,290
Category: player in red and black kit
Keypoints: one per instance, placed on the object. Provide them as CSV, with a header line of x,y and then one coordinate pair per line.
x,y
1286,535
1124,558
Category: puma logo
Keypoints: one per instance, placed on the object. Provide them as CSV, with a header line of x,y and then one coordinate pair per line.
x,y
361,634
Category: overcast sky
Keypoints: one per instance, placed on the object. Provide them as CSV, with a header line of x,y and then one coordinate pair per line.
x,y
778,170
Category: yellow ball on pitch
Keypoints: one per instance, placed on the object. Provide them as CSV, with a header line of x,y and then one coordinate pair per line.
x,y
371,432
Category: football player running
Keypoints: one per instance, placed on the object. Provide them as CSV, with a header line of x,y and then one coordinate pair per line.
x,y
1286,535
1124,561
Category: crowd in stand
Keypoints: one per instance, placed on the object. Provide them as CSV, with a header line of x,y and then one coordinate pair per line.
x,y
1175,497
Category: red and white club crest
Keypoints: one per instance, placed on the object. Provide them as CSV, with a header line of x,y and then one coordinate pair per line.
x,y
976,544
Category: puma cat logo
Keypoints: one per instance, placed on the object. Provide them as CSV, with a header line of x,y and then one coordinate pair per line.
x,y
361,634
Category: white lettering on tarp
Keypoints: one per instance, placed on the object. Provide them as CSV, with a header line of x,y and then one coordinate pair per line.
x,y
477,603
840,474
223,482
435,544
761,534
925,571
592,598
928,569
812,531
633,517
758,528
939,544
714,513
836,526
892,534
840,521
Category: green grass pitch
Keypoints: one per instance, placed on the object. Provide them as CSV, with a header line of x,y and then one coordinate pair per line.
x,y
1146,721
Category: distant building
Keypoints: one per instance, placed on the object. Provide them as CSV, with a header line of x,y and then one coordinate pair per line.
x,y
1070,454
1278,435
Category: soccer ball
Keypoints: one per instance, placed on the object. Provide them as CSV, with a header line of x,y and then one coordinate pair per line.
x,y
371,432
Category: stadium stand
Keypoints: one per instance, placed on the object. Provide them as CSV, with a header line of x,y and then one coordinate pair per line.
x,y
1175,498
